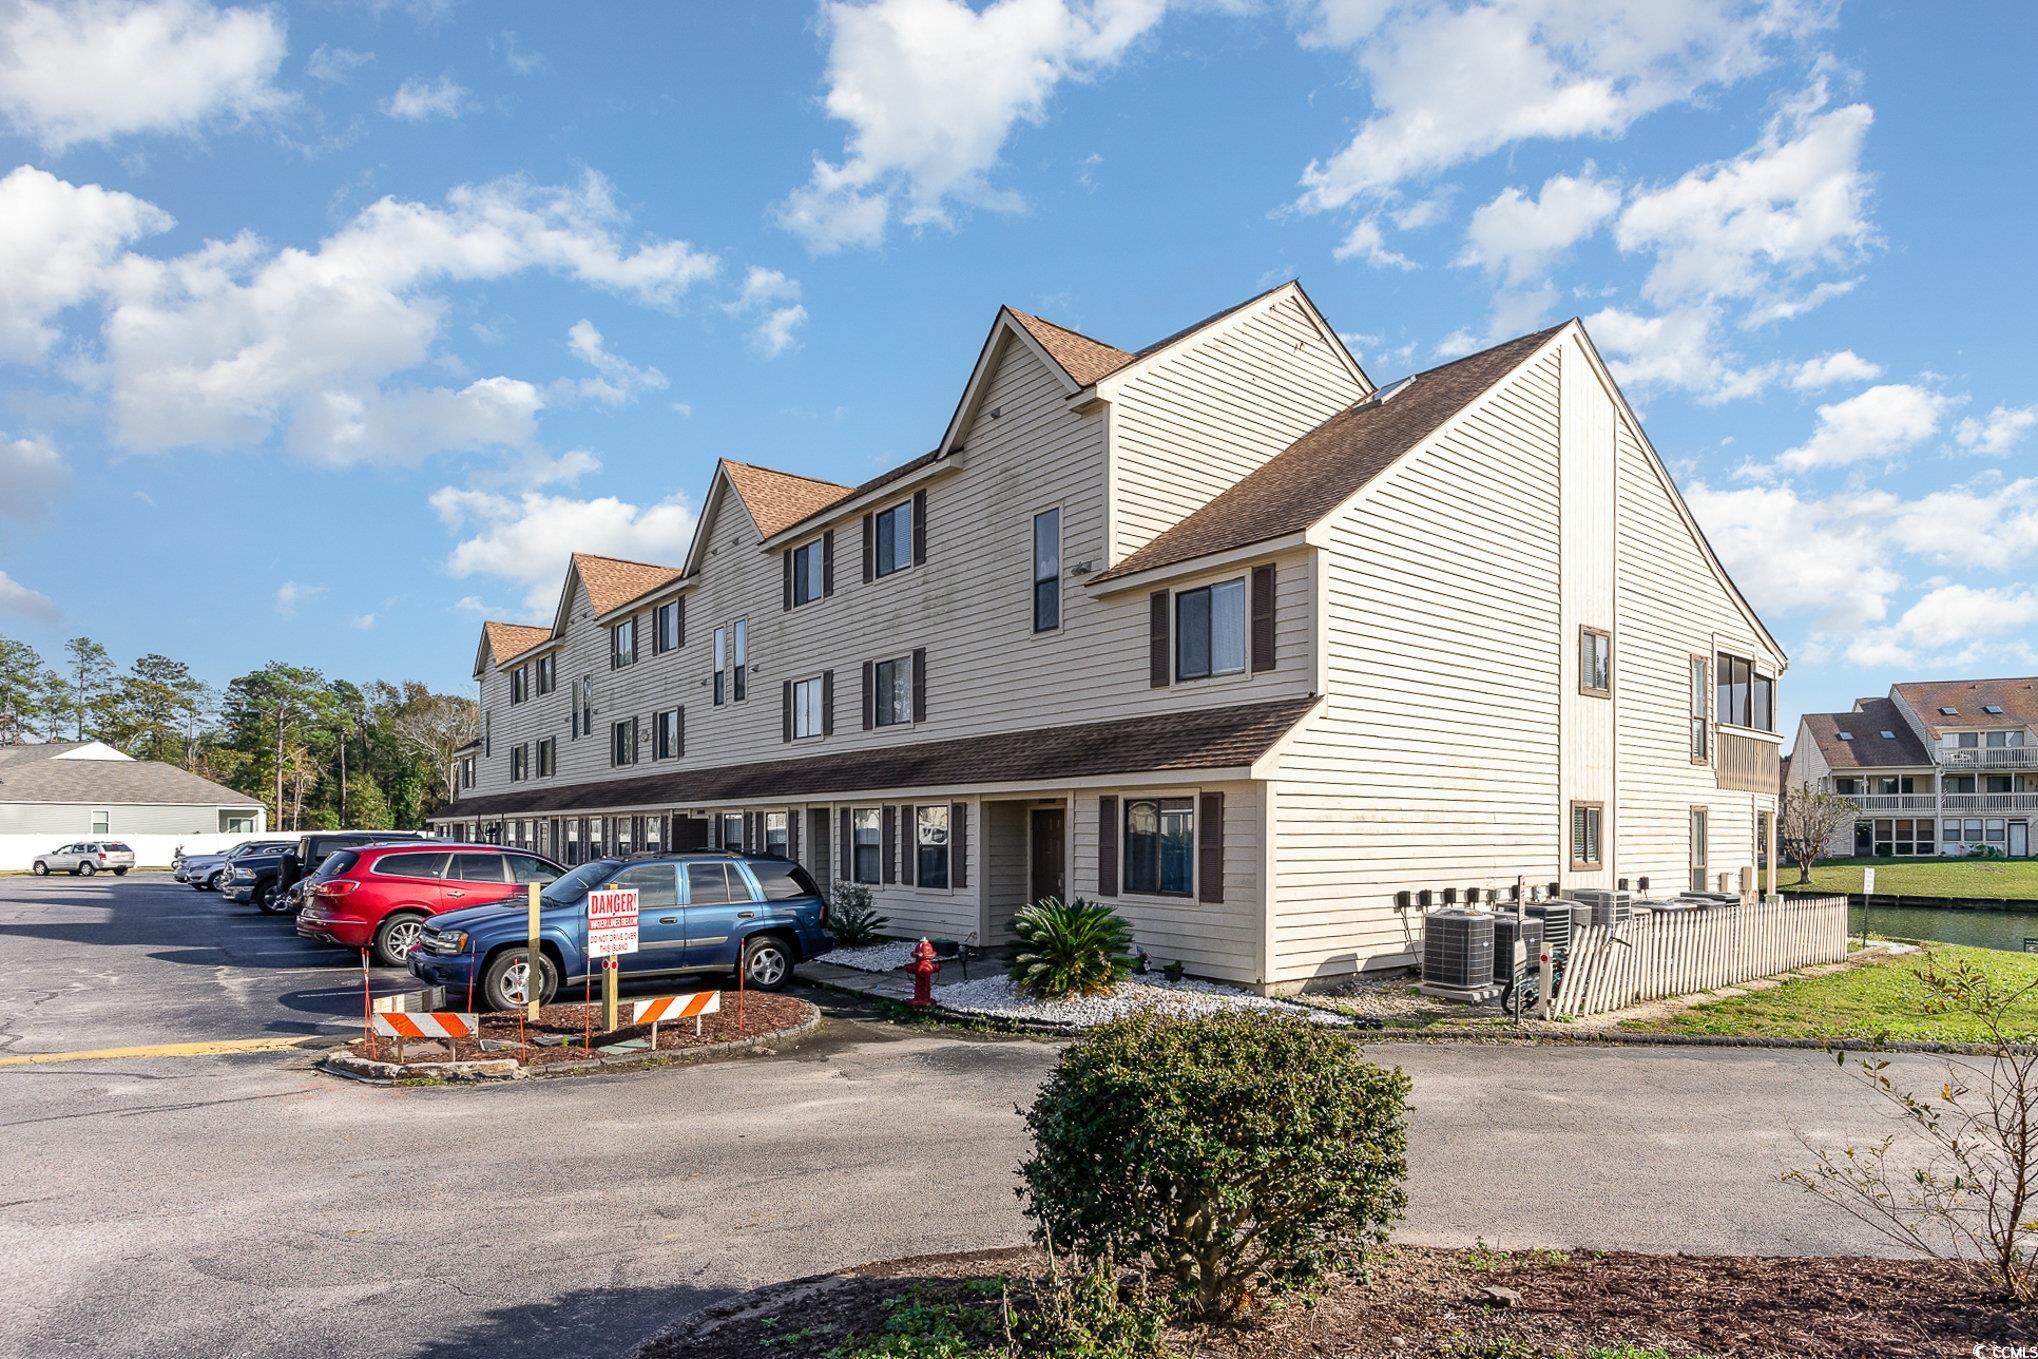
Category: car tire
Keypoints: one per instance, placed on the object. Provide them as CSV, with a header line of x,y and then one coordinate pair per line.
x,y
502,983
267,899
88,868
767,962
42,870
120,872
212,883
396,936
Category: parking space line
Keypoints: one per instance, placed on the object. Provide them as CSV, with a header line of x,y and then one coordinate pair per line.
x,y
207,1049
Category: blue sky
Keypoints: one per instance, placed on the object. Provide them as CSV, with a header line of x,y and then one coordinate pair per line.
x,y
327,330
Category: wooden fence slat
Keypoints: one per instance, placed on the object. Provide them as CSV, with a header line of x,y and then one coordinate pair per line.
x,y
1657,955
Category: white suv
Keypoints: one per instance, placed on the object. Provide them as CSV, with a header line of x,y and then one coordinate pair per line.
x,y
86,857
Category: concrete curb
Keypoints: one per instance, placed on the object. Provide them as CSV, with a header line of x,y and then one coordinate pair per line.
x,y
1691,1040
355,1068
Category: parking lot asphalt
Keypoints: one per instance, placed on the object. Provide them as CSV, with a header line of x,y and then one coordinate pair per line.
x,y
241,1204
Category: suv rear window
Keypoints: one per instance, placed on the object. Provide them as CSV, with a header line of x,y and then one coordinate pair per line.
x,y
782,881
115,847
335,865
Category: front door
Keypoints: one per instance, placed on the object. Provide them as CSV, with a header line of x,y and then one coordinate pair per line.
x,y
2020,839
1046,827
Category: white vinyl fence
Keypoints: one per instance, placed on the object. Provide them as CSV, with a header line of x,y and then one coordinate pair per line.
x,y
18,850
1674,953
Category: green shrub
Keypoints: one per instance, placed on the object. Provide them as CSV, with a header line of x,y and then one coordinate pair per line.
x,y
1085,1314
1228,1157
1077,948
852,918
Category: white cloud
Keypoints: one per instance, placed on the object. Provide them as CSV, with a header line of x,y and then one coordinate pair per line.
x,y
1366,242
1737,228
1520,237
290,594
1987,525
19,600
931,90
1880,423
1797,556
1831,370
1448,84
1963,622
335,65
773,300
616,379
361,622
1996,433
419,100
93,70
1784,307
778,330
57,243
1678,349
31,471
238,339
526,539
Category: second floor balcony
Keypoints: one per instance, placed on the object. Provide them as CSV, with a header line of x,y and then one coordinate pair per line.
x,y
1986,757
1893,802
1991,802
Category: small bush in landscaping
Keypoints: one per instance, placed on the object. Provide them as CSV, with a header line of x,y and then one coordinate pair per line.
x,y
852,918
1077,948
1085,1314
1229,1157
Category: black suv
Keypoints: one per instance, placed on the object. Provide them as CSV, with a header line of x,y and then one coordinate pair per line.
x,y
266,879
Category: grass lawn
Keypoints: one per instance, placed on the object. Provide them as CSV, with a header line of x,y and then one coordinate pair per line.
x,y
1989,878
1875,1000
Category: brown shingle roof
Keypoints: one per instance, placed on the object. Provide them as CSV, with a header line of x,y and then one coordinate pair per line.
x,y
1313,475
1082,358
612,582
506,640
2017,697
778,500
1869,748
1208,738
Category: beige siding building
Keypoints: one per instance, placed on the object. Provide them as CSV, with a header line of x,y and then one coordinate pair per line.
x,y
1213,630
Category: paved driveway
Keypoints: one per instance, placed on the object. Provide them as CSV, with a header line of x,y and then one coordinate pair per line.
x,y
243,1205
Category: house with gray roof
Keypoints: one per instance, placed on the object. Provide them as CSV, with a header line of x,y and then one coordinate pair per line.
x,y
57,791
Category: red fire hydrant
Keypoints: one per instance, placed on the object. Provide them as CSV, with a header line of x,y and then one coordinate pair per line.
x,y
923,967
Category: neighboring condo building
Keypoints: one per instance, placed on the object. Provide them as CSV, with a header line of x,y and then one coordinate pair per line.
x,y
1213,631
1940,767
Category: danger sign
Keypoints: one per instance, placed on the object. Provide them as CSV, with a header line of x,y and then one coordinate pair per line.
x,y
612,923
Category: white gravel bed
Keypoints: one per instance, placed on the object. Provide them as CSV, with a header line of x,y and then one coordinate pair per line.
x,y
1001,998
873,958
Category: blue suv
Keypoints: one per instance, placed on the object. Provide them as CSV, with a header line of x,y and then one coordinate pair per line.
x,y
702,912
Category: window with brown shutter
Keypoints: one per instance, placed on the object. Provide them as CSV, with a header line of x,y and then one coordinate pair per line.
x,y
869,694
1107,846
891,860
909,850
1159,660
828,563
1263,619
1210,848
958,844
919,684
919,527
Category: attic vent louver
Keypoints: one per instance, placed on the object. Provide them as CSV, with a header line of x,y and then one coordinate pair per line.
x,y
1949,712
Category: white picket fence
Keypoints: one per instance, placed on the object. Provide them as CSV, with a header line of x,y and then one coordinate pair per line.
x,y
1674,953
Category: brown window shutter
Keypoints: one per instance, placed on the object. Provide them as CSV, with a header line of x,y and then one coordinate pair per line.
x,y
919,684
869,548
958,842
792,834
909,845
714,830
682,623
891,846
1159,665
847,853
869,694
1107,846
786,561
681,750
919,527
828,563
1263,618
1210,848
827,702
785,710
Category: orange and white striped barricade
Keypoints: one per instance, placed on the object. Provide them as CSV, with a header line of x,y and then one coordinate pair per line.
x,y
675,1007
428,1024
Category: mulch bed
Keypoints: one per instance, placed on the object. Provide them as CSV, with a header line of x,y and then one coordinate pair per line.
x,y
1427,1302
763,1012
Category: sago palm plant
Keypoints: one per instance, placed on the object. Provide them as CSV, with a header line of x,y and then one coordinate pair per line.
x,y
1076,948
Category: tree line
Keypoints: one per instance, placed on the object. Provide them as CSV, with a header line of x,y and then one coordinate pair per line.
x,y
321,753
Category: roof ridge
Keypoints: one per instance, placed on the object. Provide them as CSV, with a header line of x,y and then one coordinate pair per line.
x,y
624,561
1983,679
781,472
1213,318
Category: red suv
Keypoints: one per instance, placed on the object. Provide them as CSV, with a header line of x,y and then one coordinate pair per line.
x,y
377,896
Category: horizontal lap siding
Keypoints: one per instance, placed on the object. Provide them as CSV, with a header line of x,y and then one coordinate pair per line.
x,y
1219,940
1198,422
1671,607
1434,762
969,605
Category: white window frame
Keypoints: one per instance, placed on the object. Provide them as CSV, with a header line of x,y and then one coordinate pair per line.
x,y
739,655
902,669
721,695
807,695
1055,576
900,514
809,574
1236,583
876,827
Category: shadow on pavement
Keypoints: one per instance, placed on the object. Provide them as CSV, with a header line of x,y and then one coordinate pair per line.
x,y
589,1321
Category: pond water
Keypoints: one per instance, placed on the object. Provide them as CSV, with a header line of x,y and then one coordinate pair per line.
x,y
1982,929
